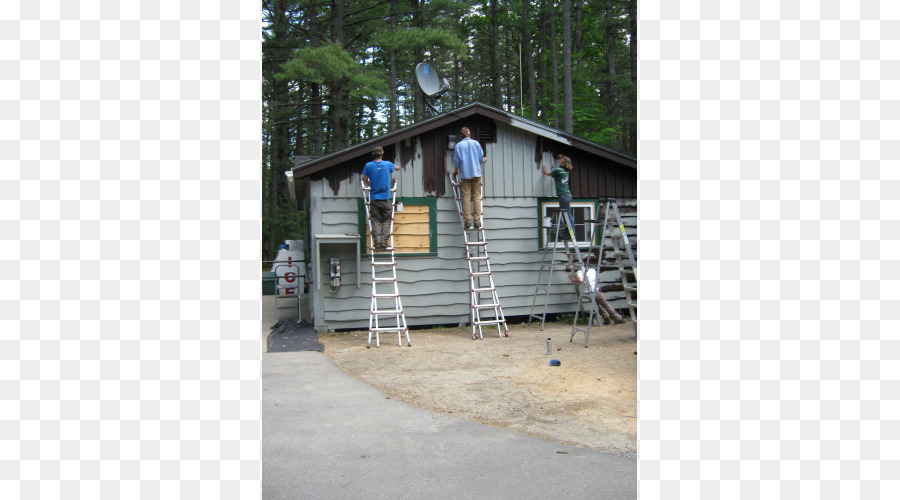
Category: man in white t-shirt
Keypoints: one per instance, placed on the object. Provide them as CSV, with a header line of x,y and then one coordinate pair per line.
x,y
590,284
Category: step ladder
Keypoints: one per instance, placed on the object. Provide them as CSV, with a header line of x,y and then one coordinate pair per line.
x,y
613,238
587,305
574,262
485,303
386,310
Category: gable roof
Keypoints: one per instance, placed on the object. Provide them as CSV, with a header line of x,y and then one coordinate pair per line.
x,y
325,162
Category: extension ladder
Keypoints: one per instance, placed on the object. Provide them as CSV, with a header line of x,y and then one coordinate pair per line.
x,y
484,301
574,262
385,303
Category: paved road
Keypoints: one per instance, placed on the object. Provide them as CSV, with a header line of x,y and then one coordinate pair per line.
x,y
328,435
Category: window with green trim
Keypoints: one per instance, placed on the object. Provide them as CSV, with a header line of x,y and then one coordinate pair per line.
x,y
415,226
584,210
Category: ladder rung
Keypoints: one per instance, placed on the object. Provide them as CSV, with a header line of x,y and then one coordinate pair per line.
x,y
476,243
384,280
482,290
485,306
389,312
388,329
490,322
478,258
486,273
631,288
385,295
383,263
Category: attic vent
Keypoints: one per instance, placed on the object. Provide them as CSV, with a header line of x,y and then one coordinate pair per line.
x,y
487,133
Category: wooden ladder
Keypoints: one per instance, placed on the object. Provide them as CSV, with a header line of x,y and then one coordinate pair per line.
x,y
613,228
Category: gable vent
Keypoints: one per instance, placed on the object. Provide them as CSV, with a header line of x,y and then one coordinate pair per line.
x,y
487,133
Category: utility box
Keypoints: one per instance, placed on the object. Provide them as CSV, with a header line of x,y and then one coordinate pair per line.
x,y
268,283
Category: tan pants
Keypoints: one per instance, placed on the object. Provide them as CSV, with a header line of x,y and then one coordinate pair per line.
x,y
606,309
471,187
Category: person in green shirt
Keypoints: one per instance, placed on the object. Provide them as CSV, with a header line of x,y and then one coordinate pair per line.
x,y
560,176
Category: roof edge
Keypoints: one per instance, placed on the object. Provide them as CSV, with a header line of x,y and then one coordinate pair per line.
x,y
327,161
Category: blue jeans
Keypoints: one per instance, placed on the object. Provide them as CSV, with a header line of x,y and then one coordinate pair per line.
x,y
565,203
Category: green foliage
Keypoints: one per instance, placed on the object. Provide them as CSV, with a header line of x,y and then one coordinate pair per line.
x,y
313,86
329,64
411,39
326,63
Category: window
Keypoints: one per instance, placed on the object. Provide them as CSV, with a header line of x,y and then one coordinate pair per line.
x,y
583,210
415,226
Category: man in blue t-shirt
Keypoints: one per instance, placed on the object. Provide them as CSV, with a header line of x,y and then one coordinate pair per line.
x,y
468,157
377,176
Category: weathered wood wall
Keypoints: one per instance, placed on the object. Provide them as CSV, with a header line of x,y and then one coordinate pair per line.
x,y
513,167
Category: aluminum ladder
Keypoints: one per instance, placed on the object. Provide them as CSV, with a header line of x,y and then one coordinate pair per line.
x,y
584,298
485,302
385,306
574,262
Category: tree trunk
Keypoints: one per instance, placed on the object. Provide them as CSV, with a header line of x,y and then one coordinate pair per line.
x,y
393,117
579,41
419,95
315,90
266,187
496,91
315,114
529,59
510,91
542,62
611,61
555,64
339,111
567,64
279,152
632,18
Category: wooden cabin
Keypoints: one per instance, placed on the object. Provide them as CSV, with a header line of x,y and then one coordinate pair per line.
x,y
431,266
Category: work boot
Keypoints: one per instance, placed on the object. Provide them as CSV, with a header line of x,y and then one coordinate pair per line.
x,y
386,235
376,235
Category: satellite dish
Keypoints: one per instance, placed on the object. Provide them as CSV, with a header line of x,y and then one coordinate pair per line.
x,y
428,79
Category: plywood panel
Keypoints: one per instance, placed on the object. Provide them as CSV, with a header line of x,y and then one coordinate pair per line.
x,y
420,229
411,243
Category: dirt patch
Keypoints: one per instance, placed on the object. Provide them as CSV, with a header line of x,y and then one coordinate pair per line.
x,y
590,400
